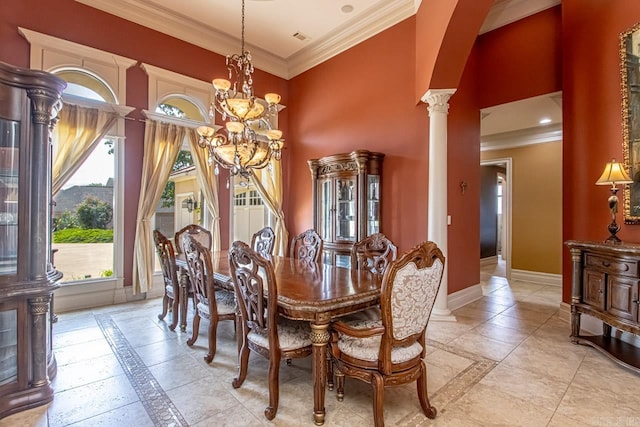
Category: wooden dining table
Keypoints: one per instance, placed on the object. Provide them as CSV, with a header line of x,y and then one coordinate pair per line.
x,y
308,291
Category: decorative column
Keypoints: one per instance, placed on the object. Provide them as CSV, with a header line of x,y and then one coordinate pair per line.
x,y
437,99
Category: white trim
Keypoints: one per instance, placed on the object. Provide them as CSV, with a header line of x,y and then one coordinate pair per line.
x,y
565,312
76,55
488,261
121,110
464,296
522,138
506,12
536,277
180,121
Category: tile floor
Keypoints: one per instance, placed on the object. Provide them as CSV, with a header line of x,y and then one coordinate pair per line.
x,y
507,361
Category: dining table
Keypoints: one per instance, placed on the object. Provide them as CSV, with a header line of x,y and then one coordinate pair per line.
x,y
307,291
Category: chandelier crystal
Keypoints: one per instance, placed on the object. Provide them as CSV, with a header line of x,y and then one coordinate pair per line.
x,y
247,140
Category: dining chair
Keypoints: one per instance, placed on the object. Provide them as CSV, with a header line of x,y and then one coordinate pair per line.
x,y
171,298
373,253
201,234
263,240
262,329
212,304
391,351
306,246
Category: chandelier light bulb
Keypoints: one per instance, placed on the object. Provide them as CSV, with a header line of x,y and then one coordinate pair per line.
x,y
274,134
272,98
222,85
206,131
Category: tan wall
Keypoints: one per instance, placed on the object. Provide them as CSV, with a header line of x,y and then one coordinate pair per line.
x,y
537,206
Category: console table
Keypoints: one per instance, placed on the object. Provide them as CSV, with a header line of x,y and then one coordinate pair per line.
x,y
605,286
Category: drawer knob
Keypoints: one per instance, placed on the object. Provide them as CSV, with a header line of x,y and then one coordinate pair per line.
x,y
606,263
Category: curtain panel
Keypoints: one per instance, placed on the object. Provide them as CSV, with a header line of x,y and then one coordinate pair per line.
x,y
78,131
162,143
268,182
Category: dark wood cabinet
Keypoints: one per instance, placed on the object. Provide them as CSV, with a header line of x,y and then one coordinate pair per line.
x,y
346,201
605,284
29,102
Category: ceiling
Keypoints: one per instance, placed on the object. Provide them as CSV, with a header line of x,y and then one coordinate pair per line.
x,y
288,37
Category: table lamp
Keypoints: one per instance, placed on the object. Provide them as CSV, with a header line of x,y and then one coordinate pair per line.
x,y
613,174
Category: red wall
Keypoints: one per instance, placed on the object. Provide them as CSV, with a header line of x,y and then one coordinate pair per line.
x,y
592,116
73,21
364,99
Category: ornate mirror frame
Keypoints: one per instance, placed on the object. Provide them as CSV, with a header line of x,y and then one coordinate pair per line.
x,y
630,73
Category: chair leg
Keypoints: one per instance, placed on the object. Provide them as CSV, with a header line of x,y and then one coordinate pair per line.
x,y
329,370
243,357
423,396
175,309
213,329
165,306
196,329
274,387
377,383
339,385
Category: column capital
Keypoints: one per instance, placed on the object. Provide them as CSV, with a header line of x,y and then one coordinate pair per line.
x,y
438,100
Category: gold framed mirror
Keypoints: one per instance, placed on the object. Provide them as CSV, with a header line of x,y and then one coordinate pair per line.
x,y
630,73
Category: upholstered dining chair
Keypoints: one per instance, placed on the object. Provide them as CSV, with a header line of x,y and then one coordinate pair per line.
x,y
262,329
306,246
391,351
263,240
201,234
171,299
212,304
373,253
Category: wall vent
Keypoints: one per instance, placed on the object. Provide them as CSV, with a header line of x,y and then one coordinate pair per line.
x,y
301,37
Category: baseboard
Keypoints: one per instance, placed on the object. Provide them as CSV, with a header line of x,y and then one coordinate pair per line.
x,y
82,295
536,277
464,296
565,312
490,260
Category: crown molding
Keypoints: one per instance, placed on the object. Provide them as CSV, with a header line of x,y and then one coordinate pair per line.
x,y
505,12
188,29
374,21
521,138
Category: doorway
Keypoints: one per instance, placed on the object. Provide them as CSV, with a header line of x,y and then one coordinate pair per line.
x,y
495,217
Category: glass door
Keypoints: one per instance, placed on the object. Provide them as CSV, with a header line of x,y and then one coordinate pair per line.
x,y
346,209
373,204
326,210
9,131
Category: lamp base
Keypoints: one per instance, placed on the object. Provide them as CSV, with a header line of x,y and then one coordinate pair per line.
x,y
613,229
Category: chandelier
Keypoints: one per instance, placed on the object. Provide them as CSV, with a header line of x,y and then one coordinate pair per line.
x,y
247,140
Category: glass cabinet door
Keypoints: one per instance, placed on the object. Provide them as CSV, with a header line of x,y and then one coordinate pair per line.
x,y
373,204
9,133
326,208
8,346
346,209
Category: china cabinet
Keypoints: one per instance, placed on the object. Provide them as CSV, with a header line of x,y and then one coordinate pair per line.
x,y
29,102
605,285
346,201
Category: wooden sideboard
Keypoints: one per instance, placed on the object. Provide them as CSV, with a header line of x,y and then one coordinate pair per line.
x,y
605,285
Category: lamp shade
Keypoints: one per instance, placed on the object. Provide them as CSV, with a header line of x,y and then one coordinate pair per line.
x,y
613,174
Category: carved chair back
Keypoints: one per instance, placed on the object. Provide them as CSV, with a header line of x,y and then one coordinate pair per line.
x,y
200,234
251,274
409,289
200,274
307,246
373,253
263,241
167,257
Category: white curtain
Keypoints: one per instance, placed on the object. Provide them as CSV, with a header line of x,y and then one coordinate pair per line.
x,y
78,131
268,182
208,183
162,143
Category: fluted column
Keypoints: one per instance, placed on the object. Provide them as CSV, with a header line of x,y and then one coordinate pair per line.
x,y
438,101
